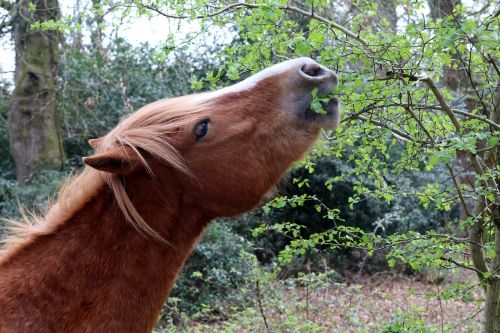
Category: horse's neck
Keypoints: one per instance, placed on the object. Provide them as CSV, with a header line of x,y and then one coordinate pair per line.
x,y
95,272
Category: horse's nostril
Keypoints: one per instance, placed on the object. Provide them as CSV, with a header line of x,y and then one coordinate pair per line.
x,y
312,69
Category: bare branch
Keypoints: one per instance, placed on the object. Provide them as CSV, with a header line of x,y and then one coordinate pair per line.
x,y
457,188
492,61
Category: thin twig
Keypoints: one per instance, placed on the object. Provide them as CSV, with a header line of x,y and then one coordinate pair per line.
x,y
257,289
399,134
467,319
456,263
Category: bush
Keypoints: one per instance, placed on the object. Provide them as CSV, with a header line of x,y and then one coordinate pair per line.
x,y
309,191
213,278
32,198
408,323
6,161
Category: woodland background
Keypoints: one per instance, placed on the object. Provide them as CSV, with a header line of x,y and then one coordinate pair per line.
x,y
391,224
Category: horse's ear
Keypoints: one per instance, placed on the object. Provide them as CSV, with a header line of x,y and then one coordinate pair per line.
x,y
94,143
120,160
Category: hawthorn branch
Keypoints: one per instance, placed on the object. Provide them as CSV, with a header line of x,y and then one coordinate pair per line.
x,y
459,264
463,113
492,61
235,6
477,228
397,133
478,117
442,102
475,159
327,22
368,109
457,188
450,169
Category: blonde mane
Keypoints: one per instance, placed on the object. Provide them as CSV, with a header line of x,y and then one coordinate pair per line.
x,y
146,130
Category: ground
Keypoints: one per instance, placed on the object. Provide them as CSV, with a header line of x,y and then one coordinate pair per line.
x,y
382,303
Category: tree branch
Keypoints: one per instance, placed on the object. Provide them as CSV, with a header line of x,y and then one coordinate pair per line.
x,y
7,5
459,264
450,169
236,6
475,159
476,238
463,113
397,133
442,102
478,117
261,308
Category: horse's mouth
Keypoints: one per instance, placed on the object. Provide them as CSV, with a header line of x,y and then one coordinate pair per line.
x,y
330,116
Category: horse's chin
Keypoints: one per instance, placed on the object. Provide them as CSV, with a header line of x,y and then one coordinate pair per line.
x,y
330,119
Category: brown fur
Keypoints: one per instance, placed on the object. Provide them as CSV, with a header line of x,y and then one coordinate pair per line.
x,y
84,267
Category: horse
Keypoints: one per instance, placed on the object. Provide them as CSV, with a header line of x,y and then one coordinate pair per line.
x,y
105,255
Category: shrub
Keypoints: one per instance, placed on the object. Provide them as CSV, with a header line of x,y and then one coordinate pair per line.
x,y
308,195
408,323
214,278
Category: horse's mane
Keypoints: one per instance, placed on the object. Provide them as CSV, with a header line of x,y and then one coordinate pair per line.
x,y
146,130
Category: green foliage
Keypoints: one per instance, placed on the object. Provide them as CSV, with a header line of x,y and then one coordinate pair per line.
x,y
401,123
100,87
314,223
6,162
397,123
385,184
409,323
215,277
31,199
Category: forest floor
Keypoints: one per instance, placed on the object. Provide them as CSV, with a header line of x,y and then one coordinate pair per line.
x,y
384,303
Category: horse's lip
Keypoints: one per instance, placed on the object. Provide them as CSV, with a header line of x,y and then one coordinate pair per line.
x,y
331,107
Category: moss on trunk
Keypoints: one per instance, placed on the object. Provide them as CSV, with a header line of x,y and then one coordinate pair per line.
x,y
33,123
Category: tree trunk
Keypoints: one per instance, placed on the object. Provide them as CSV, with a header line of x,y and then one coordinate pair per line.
x,y
34,132
491,309
457,80
96,26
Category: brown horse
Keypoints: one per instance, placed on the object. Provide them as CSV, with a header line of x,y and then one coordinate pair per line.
x,y
105,256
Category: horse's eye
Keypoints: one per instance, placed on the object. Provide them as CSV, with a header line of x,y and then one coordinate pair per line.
x,y
201,129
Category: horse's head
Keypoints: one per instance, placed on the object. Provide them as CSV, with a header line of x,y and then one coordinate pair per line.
x,y
234,144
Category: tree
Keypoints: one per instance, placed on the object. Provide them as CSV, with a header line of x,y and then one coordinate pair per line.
x,y
33,123
417,91
402,114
